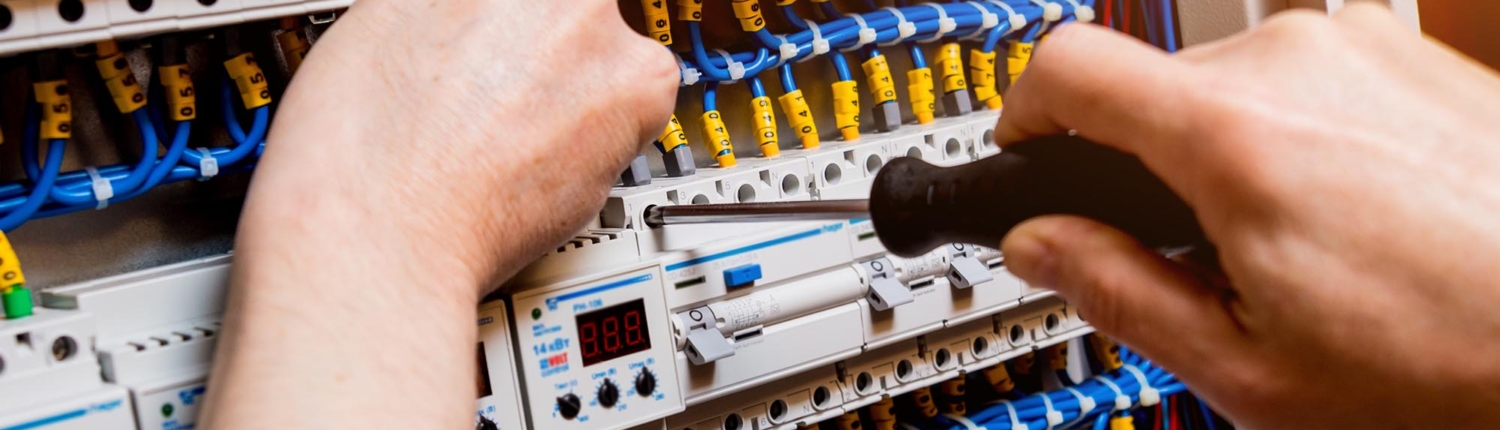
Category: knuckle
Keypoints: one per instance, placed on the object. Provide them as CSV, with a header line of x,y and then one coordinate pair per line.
x,y
1296,27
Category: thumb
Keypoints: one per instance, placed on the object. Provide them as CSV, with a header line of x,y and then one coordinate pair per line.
x,y
1125,290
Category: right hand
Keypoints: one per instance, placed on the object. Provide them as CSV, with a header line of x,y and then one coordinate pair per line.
x,y
1347,171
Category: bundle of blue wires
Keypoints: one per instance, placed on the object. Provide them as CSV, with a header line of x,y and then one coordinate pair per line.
x,y
844,33
1031,411
51,193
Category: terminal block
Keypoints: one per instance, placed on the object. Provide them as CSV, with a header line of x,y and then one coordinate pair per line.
x,y
887,117
638,173
957,103
679,162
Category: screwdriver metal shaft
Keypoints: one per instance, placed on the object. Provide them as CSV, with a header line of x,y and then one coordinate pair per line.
x,y
819,210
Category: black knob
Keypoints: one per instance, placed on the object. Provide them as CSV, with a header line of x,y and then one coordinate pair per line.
x,y
608,394
568,405
486,424
645,383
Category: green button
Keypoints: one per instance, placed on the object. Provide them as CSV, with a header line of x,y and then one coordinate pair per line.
x,y
536,313
166,410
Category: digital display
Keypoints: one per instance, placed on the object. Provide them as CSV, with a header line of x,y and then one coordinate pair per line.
x,y
613,332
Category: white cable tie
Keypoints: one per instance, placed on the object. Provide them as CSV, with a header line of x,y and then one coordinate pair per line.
x,y
904,28
1085,403
819,44
989,20
689,75
1084,13
967,423
1017,21
736,69
208,166
1053,416
866,34
1051,12
103,188
945,24
1010,409
788,51
1149,395
1122,402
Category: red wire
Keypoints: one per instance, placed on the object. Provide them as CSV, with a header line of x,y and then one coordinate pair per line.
x,y
1109,16
1156,420
1174,408
1125,16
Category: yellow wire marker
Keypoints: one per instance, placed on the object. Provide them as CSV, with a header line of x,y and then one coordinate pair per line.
x,y
953,396
182,98
883,414
923,102
294,43
13,293
1019,56
123,87
849,421
748,12
765,127
1107,352
717,138
982,77
999,378
658,21
251,81
922,399
846,108
878,74
690,10
951,65
800,117
672,137
57,109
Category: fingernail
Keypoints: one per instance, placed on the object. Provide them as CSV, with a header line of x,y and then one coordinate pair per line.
x,y
1030,258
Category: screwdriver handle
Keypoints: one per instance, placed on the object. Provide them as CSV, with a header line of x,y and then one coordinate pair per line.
x,y
917,207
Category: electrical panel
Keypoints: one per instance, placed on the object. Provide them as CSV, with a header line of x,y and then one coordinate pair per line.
x,y
623,326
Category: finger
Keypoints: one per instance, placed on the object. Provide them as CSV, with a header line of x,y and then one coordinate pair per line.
x,y
1124,289
1111,88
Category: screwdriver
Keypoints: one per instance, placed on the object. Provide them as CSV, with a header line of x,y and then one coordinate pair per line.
x,y
916,206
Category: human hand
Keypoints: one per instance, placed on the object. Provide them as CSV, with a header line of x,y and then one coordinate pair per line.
x,y
424,152
1343,167
484,131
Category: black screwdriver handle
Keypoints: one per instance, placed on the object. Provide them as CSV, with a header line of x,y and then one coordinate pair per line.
x,y
917,207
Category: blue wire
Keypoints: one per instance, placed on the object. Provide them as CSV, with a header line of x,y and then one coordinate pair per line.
x,y
38,194
1031,33
756,88
841,65
1148,11
788,82
710,96
766,39
1208,416
167,165
1169,28
830,11
1102,422
142,169
1165,411
791,17
918,61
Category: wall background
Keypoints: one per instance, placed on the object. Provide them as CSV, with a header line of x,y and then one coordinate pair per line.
x,y
1471,26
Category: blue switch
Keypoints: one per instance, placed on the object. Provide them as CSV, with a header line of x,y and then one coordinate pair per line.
x,y
741,276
